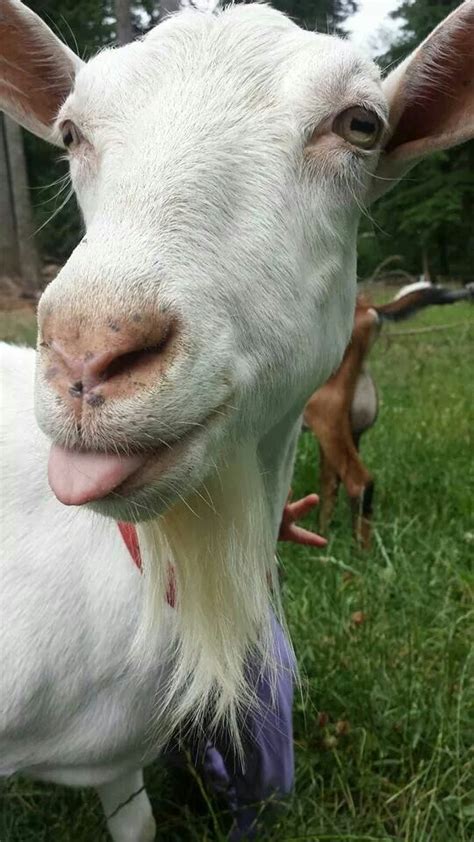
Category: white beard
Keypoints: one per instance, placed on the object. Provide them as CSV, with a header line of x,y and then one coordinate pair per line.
x,y
220,543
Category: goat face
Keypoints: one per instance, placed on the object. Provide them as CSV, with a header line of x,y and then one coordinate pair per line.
x,y
218,269
220,165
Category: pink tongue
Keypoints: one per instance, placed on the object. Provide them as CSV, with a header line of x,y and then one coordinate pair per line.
x,y
78,478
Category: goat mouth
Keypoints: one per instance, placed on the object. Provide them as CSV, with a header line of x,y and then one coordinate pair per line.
x,y
85,476
78,476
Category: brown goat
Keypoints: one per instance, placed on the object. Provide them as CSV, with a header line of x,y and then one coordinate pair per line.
x,y
347,405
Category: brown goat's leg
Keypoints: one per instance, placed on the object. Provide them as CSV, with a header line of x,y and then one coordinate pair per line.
x,y
361,506
360,487
329,486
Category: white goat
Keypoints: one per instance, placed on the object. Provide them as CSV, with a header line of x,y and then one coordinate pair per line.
x,y
220,165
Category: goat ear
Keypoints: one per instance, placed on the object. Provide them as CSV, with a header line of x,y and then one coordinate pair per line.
x,y
431,98
36,70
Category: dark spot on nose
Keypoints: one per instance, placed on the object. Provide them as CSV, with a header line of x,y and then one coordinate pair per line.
x,y
114,326
136,317
95,400
88,356
51,372
76,389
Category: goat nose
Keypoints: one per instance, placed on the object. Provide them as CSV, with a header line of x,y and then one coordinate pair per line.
x,y
106,361
91,370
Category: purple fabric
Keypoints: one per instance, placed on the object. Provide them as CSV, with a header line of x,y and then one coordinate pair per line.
x,y
268,771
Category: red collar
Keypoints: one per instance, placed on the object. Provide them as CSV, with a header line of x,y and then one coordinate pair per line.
x,y
129,534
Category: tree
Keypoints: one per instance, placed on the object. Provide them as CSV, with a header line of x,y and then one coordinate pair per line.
x,y
125,32
322,15
9,260
18,253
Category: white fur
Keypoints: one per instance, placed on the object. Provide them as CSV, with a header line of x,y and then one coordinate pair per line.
x,y
196,203
220,544
414,287
76,703
201,197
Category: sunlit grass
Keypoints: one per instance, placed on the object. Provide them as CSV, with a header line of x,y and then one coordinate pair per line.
x,y
385,728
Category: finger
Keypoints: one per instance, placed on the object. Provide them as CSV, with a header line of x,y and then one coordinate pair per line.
x,y
303,536
300,508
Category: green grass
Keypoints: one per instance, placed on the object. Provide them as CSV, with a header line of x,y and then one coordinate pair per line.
x,y
384,729
18,326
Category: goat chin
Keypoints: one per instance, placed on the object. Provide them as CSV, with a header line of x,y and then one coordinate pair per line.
x,y
220,543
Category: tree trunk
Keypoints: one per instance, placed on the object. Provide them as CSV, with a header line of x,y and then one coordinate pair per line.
x,y
18,245
124,22
9,257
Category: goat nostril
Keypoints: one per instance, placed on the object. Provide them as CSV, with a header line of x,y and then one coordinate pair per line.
x,y
129,361
84,370
126,363
76,389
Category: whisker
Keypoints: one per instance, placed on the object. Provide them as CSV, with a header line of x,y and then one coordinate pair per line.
x,y
53,215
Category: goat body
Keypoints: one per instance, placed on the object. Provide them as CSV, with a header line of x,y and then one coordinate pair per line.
x,y
343,409
78,697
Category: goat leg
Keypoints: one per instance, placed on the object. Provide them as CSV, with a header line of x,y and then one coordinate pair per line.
x,y
361,506
329,481
127,808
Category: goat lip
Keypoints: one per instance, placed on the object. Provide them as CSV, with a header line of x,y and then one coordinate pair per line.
x,y
77,477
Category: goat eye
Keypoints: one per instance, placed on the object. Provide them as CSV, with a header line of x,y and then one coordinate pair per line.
x,y
358,126
70,134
